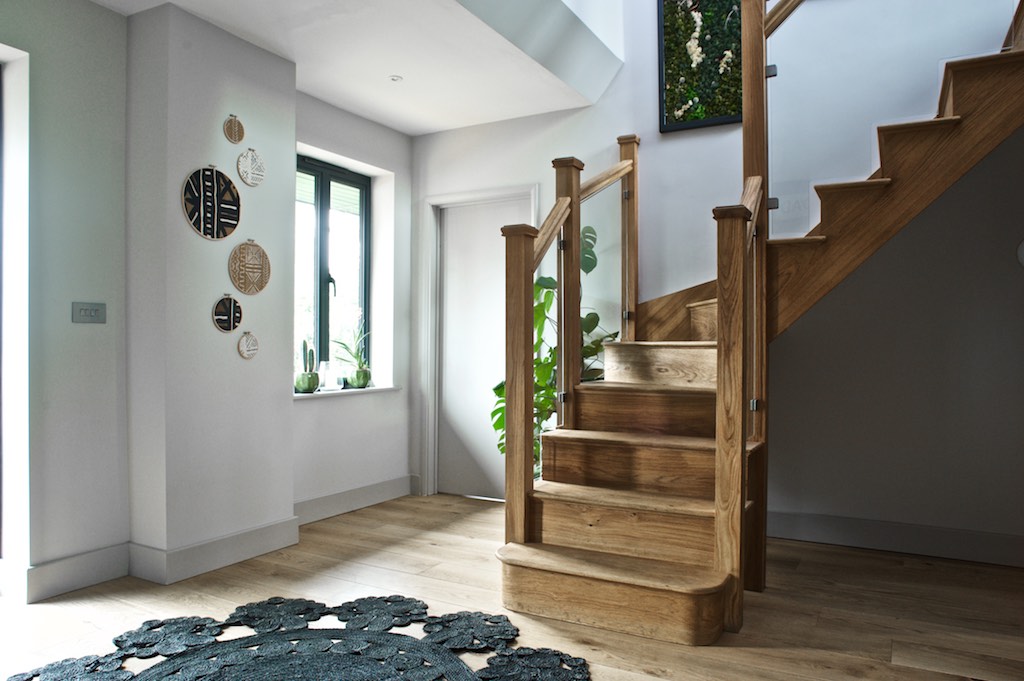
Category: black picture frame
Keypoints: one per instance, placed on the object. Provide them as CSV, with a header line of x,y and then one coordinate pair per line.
x,y
699,63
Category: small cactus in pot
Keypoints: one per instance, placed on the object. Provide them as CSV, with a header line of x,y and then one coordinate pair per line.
x,y
309,380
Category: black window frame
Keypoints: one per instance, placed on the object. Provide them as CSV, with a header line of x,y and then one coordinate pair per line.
x,y
325,173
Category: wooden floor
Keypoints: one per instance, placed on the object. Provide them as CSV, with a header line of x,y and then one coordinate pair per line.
x,y
828,613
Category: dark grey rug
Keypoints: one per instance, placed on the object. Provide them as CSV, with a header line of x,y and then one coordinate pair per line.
x,y
282,646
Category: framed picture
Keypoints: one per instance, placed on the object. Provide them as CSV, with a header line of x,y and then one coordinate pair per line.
x,y
699,63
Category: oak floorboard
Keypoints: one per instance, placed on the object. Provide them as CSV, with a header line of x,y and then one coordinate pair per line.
x,y
828,613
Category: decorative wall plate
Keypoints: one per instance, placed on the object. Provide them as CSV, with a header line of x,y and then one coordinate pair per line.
x,y
233,129
248,346
249,267
227,314
211,203
251,167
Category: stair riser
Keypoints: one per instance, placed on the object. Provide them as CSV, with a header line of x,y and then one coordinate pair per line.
x,y
704,322
685,414
643,469
851,203
681,366
689,619
905,152
644,534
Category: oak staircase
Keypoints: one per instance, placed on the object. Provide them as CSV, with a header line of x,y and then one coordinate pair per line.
x,y
650,514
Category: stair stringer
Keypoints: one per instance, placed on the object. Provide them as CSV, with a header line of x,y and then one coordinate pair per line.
x,y
982,103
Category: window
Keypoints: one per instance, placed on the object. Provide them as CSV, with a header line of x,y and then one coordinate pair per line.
x,y
332,255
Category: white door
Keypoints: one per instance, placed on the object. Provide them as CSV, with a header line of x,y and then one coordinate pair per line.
x,y
472,344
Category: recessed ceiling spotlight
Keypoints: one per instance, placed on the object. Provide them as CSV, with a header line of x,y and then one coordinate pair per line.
x,y
395,78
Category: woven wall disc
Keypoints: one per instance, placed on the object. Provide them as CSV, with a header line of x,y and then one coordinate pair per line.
x,y
251,167
233,129
249,267
211,203
227,314
248,346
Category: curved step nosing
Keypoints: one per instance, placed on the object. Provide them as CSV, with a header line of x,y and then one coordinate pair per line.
x,y
583,569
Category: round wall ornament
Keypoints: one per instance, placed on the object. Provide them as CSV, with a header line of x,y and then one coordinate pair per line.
x,y
211,203
248,345
233,129
227,314
251,167
249,267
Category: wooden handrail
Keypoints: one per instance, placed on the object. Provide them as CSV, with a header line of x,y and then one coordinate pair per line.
x,y
752,194
606,179
549,230
779,14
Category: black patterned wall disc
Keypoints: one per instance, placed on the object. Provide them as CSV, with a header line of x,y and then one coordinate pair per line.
x,y
227,314
211,202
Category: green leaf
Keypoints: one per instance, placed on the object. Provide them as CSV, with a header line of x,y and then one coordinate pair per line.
x,y
588,261
547,282
588,257
590,322
593,374
588,237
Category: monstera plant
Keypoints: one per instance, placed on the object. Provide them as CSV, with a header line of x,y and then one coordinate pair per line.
x,y
545,355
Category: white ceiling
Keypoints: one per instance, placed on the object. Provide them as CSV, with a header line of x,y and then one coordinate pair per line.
x,y
455,69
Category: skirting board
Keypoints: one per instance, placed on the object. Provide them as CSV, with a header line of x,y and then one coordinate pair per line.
x,y
311,510
941,542
37,582
166,567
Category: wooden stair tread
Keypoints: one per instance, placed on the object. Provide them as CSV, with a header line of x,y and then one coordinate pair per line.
x,y
809,240
858,185
642,388
940,122
702,303
640,439
623,499
644,572
666,344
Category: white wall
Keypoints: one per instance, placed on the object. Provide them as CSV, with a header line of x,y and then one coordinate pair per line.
x,y
683,174
209,432
348,441
71,461
847,66
895,402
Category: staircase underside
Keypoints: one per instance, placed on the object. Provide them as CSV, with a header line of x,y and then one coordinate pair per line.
x,y
624,531
982,103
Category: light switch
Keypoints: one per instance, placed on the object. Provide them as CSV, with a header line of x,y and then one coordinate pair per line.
x,y
88,313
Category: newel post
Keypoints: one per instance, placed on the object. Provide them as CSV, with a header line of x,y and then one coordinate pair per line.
x,y
570,332
628,151
519,240
731,414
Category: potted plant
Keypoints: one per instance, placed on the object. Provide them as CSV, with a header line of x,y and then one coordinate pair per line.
x,y
354,353
309,380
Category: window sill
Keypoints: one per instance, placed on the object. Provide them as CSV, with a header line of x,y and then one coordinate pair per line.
x,y
338,392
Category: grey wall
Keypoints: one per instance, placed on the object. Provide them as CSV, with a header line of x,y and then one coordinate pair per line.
x,y
895,402
209,433
67,457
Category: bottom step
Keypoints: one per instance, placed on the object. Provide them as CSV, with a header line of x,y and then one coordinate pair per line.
x,y
649,598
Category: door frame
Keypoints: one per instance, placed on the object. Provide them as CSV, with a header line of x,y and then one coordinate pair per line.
x,y
430,302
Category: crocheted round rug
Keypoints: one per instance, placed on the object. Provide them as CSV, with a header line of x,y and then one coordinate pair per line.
x,y
283,646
